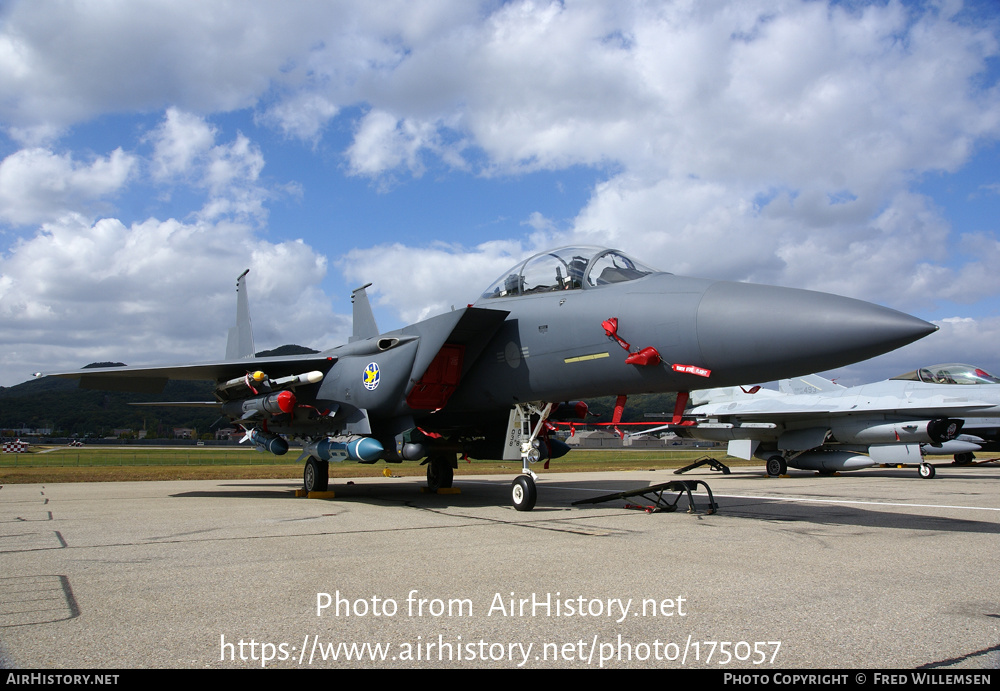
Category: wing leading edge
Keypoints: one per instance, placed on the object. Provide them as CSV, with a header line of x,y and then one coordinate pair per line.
x,y
154,379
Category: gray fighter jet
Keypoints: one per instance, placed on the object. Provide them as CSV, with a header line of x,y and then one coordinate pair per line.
x,y
815,424
484,380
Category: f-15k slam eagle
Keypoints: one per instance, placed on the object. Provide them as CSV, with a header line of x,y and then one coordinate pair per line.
x,y
483,380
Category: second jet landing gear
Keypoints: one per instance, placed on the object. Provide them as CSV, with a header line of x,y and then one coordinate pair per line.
x,y
776,466
523,440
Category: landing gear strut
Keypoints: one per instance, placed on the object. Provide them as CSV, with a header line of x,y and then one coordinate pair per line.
x,y
523,493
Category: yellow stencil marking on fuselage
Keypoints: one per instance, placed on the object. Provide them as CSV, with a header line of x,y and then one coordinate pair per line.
x,y
583,358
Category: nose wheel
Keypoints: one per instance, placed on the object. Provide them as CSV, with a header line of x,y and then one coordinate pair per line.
x,y
523,493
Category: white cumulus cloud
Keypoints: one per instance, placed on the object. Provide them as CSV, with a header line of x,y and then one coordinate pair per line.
x,y
38,185
107,291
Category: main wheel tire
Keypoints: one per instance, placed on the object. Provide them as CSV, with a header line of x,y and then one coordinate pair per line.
x,y
523,493
926,471
440,474
776,466
964,458
316,476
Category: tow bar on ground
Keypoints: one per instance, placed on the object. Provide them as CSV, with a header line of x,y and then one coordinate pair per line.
x,y
706,460
654,494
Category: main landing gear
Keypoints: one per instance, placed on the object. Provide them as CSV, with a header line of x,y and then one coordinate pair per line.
x,y
776,466
316,476
440,472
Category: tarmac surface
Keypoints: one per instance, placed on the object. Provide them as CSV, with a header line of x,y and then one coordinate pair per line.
x,y
874,569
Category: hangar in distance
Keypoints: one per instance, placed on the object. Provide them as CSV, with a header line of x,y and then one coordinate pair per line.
x,y
483,380
814,424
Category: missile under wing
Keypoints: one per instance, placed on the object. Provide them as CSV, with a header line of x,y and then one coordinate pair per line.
x,y
482,380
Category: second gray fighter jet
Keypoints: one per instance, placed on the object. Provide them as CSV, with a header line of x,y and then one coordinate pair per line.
x,y
815,424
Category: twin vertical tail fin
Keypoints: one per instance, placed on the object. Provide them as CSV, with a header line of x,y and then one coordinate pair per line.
x,y
364,320
240,344
809,384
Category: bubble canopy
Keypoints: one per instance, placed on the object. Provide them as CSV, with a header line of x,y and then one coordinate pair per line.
x,y
567,268
952,373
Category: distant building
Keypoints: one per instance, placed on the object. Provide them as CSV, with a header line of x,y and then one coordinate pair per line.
x,y
32,431
595,439
228,434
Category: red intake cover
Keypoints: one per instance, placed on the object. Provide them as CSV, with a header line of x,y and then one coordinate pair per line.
x,y
646,356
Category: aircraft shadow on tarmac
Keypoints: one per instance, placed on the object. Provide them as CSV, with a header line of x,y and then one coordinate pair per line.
x,y
248,491
558,496
471,495
474,493
861,517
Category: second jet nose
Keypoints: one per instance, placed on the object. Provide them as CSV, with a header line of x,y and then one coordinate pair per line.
x,y
753,333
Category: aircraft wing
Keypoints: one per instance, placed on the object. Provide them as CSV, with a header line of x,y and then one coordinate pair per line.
x,y
154,379
731,394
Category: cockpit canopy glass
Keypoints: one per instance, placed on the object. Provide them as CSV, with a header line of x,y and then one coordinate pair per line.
x,y
567,268
954,373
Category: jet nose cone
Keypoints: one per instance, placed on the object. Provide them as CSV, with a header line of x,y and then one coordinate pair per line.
x,y
754,333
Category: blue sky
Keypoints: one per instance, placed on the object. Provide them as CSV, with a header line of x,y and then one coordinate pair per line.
x,y
151,151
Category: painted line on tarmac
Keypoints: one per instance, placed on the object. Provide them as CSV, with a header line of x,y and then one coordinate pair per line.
x,y
853,501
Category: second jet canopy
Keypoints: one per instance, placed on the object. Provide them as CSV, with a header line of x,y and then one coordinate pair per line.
x,y
953,373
